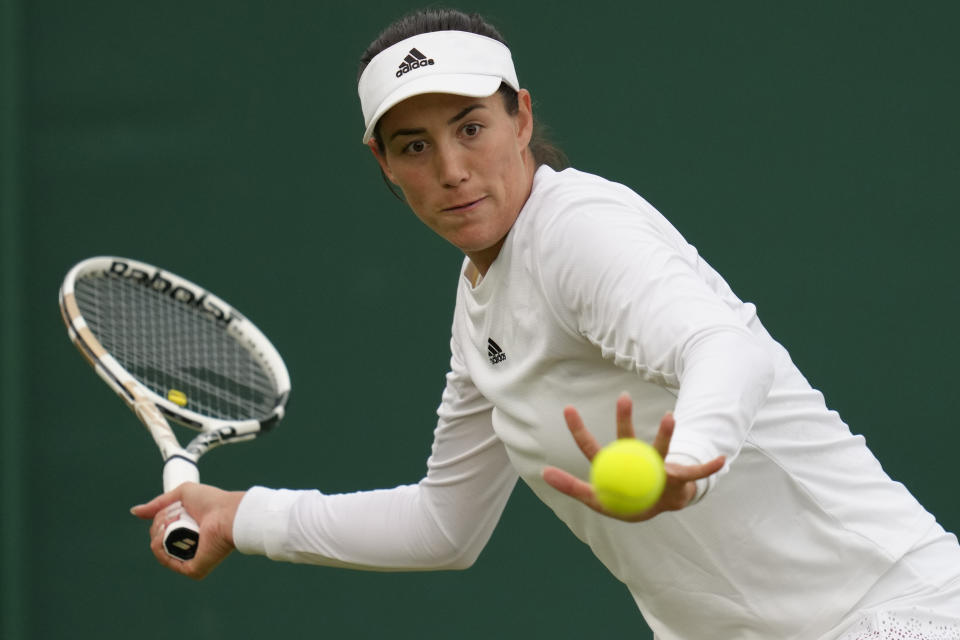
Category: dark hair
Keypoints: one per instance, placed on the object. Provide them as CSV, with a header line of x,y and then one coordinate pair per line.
x,y
429,20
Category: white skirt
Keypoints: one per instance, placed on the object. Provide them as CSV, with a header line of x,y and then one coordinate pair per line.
x,y
918,599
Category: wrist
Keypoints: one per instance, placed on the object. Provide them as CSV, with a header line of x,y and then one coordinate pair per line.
x,y
236,497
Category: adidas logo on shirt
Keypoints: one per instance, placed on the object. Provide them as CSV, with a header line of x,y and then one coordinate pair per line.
x,y
495,352
413,60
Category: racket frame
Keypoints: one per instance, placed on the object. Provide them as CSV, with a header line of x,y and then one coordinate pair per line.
x,y
154,410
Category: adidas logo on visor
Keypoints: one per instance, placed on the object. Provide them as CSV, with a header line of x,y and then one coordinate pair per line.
x,y
413,60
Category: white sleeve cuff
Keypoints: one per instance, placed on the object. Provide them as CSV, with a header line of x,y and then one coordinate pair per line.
x,y
260,525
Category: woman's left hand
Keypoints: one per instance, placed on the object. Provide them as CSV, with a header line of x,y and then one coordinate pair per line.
x,y
681,479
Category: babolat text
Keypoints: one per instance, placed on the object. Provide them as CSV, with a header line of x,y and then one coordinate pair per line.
x,y
194,297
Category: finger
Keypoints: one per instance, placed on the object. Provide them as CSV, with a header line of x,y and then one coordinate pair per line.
x,y
159,552
689,473
583,491
712,467
151,509
190,568
572,486
171,513
584,439
170,562
664,434
624,416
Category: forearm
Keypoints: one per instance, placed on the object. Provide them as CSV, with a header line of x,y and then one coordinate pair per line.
x,y
443,522
725,379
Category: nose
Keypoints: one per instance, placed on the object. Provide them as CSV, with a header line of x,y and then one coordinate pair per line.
x,y
451,165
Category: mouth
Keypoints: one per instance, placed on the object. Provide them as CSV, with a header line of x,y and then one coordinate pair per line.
x,y
464,206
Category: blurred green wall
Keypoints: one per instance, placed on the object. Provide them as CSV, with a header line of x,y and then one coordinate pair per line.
x,y
810,150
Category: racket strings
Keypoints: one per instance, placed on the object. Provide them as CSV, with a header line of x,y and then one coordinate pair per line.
x,y
169,345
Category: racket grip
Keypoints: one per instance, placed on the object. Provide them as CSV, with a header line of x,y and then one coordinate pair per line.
x,y
181,537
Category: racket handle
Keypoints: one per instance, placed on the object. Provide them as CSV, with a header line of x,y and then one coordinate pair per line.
x,y
181,537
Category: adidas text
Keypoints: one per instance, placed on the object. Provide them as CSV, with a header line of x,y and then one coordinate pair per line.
x,y
414,60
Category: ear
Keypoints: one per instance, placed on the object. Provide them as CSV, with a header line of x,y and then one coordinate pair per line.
x,y
524,117
382,161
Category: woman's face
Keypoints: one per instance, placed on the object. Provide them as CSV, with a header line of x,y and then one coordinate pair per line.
x,y
463,165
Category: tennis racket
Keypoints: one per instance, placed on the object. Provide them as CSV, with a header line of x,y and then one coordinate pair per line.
x,y
174,351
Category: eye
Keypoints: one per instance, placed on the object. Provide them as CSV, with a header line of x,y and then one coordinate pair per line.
x,y
415,147
471,129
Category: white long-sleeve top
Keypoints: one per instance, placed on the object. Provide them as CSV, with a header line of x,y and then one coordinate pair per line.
x,y
595,293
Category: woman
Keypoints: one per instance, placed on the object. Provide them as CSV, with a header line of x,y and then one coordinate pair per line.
x,y
576,296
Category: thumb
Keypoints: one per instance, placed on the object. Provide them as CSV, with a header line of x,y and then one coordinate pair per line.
x,y
150,509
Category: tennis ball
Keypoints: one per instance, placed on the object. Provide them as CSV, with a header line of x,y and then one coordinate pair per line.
x,y
177,397
627,476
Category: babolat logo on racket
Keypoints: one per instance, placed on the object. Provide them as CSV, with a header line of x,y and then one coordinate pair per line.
x,y
193,297
414,60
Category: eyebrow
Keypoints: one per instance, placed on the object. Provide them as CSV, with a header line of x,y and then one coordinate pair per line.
x,y
463,114
460,116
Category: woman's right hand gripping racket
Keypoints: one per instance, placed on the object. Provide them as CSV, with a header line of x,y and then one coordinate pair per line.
x,y
173,350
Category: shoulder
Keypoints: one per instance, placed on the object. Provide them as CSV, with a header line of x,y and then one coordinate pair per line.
x,y
581,213
575,189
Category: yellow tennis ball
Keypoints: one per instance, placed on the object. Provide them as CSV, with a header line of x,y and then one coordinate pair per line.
x,y
177,397
627,476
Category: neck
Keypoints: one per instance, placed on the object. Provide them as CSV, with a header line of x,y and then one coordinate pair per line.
x,y
481,260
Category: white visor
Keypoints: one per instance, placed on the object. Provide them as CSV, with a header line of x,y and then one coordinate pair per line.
x,y
457,62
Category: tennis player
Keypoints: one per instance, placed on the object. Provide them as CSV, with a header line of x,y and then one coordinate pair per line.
x,y
776,523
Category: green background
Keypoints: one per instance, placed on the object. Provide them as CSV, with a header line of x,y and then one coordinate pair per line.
x,y
810,150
